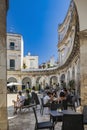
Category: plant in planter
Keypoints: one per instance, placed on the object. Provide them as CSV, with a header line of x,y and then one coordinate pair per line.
x,y
24,66
72,84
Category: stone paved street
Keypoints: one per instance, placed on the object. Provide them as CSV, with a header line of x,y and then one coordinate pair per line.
x,y
24,120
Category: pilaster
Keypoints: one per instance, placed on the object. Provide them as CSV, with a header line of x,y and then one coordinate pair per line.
x,y
83,66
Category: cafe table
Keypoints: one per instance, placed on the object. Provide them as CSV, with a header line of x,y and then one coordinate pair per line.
x,y
57,115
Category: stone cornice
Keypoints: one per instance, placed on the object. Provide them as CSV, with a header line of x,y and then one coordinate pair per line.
x,y
72,23
65,37
61,25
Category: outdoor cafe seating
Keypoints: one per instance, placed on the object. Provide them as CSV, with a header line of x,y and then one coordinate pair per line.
x,y
42,125
72,122
43,106
70,119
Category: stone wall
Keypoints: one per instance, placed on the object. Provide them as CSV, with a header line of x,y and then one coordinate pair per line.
x,y
3,75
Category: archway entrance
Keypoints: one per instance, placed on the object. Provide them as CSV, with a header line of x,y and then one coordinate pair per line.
x,y
10,87
62,81
53,80
26,82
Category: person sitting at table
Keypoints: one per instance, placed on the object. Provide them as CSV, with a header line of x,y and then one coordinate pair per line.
x,y
27,98
48,98
54,93
34,96
63,100
19,102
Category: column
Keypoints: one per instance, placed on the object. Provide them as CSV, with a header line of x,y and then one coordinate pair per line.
x,y
3,67
83,66
33,81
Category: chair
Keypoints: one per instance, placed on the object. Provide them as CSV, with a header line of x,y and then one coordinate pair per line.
x,y
85,115
42,125
35,98
43,106
54,106
72,122
71,102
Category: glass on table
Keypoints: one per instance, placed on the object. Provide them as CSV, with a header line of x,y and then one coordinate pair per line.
x,y
59,110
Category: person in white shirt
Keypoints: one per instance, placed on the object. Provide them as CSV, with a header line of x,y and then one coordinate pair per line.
x,y
48,98
19,102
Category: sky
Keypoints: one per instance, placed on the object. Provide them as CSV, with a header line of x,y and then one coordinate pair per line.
x,y
37,21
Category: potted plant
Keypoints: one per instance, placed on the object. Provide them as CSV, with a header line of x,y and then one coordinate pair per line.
x,y
72,84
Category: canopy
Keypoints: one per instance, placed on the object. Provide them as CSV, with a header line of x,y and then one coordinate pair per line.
x,y
13,83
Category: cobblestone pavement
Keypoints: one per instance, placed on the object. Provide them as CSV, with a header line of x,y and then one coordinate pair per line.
x,y
25,120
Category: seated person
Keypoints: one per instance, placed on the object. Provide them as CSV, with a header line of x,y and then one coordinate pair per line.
x,y
63,100
27,98
19,102
54,93
48,98
34,96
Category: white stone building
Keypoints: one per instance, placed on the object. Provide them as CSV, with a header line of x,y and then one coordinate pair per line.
x,y
30,62
14,51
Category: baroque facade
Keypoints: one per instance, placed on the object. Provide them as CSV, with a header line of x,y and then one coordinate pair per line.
x,y
68,67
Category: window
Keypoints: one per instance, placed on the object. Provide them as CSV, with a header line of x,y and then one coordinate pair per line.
x,y
12,64
12,45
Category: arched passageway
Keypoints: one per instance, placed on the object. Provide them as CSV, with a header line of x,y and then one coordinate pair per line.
x,y
62,81
38,81
12,79
62,78
26,83
11,88
53,80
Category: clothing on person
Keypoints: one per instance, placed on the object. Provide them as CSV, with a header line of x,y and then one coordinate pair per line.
x,y
19,102
63,100
35,98
27,98
46,99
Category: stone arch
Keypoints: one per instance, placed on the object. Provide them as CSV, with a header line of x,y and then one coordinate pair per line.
x,y
53,80
42,80
26,81
11,79
12,88
62,78
37,80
